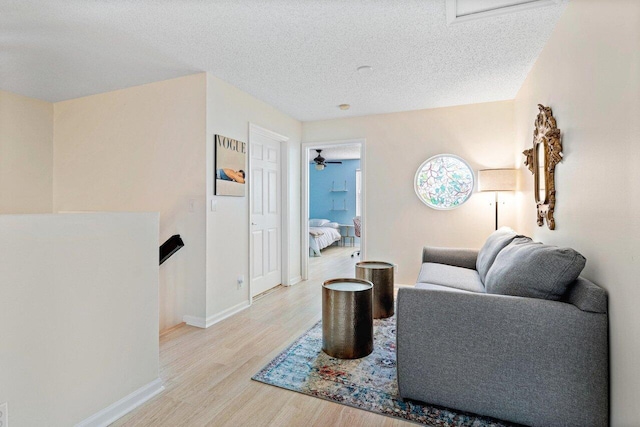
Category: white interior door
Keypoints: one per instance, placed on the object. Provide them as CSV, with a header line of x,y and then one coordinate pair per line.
x,y
266,215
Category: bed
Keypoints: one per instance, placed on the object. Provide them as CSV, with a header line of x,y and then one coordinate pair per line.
x,y
322,233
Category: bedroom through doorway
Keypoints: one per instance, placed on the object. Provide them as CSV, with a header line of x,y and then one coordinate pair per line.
x,y
334,205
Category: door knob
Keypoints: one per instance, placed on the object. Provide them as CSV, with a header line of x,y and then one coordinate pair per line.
x,y
253,223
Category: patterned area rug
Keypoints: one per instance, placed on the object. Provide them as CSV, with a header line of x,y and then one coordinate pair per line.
x,y
368,383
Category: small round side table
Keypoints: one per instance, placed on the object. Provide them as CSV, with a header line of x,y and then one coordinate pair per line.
x,y
347,318
380,273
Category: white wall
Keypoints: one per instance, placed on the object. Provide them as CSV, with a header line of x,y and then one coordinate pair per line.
x,y
398,224
142,149
589,74
26,154
229,112
150,148
78,313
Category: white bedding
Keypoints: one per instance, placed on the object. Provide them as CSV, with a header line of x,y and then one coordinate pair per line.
x,y
328,237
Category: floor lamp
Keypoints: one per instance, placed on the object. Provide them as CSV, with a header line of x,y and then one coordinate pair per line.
x,y
497,180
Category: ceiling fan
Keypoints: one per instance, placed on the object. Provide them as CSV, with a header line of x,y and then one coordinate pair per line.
x,y
321,162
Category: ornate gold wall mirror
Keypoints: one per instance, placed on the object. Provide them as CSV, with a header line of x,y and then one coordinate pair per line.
x,y
542,160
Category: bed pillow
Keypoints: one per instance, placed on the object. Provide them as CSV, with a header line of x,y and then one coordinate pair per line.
x,y
318,222
332,225
529,269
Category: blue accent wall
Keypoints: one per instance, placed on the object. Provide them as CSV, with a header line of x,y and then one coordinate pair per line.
x,y
321,196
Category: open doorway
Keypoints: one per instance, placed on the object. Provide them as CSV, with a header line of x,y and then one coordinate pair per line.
x,y
333,204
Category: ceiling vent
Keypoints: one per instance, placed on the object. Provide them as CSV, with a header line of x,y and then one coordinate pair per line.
x,y
467,10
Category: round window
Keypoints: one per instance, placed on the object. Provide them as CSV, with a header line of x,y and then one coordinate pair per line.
x,y
444,181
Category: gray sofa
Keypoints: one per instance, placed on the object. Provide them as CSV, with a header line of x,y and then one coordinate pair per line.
x,y
539,360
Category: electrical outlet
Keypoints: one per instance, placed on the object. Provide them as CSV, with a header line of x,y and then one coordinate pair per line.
x,y
192,205
4,415
240,281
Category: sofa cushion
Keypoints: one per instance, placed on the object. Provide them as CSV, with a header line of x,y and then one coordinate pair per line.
x,y
497,241
529,269
432,287
453,277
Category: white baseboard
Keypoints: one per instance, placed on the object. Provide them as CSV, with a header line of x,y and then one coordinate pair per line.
x,y
295,280
198,322
123,406
201,322
212,320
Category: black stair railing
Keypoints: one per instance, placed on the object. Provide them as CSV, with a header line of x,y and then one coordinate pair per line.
x,y
170,247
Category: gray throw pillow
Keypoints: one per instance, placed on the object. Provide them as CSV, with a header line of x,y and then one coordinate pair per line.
x,y
497,241
528,269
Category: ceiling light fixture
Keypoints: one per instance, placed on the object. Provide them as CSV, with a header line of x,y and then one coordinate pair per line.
x,y
344,106
319,167
365,68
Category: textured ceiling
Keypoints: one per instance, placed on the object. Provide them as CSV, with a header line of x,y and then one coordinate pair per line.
x,y
298,55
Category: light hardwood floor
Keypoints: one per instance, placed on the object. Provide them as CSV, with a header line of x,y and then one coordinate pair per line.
x,y
207,372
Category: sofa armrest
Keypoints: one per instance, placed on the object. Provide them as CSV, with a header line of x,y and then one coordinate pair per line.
x,y
531,361
465,258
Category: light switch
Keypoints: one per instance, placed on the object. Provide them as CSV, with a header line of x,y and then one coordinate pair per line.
x,y
214,205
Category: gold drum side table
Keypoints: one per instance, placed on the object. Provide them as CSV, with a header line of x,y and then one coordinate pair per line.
x,y
347,318
380,273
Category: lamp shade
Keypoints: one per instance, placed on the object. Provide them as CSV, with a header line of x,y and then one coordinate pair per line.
x,y
497,180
